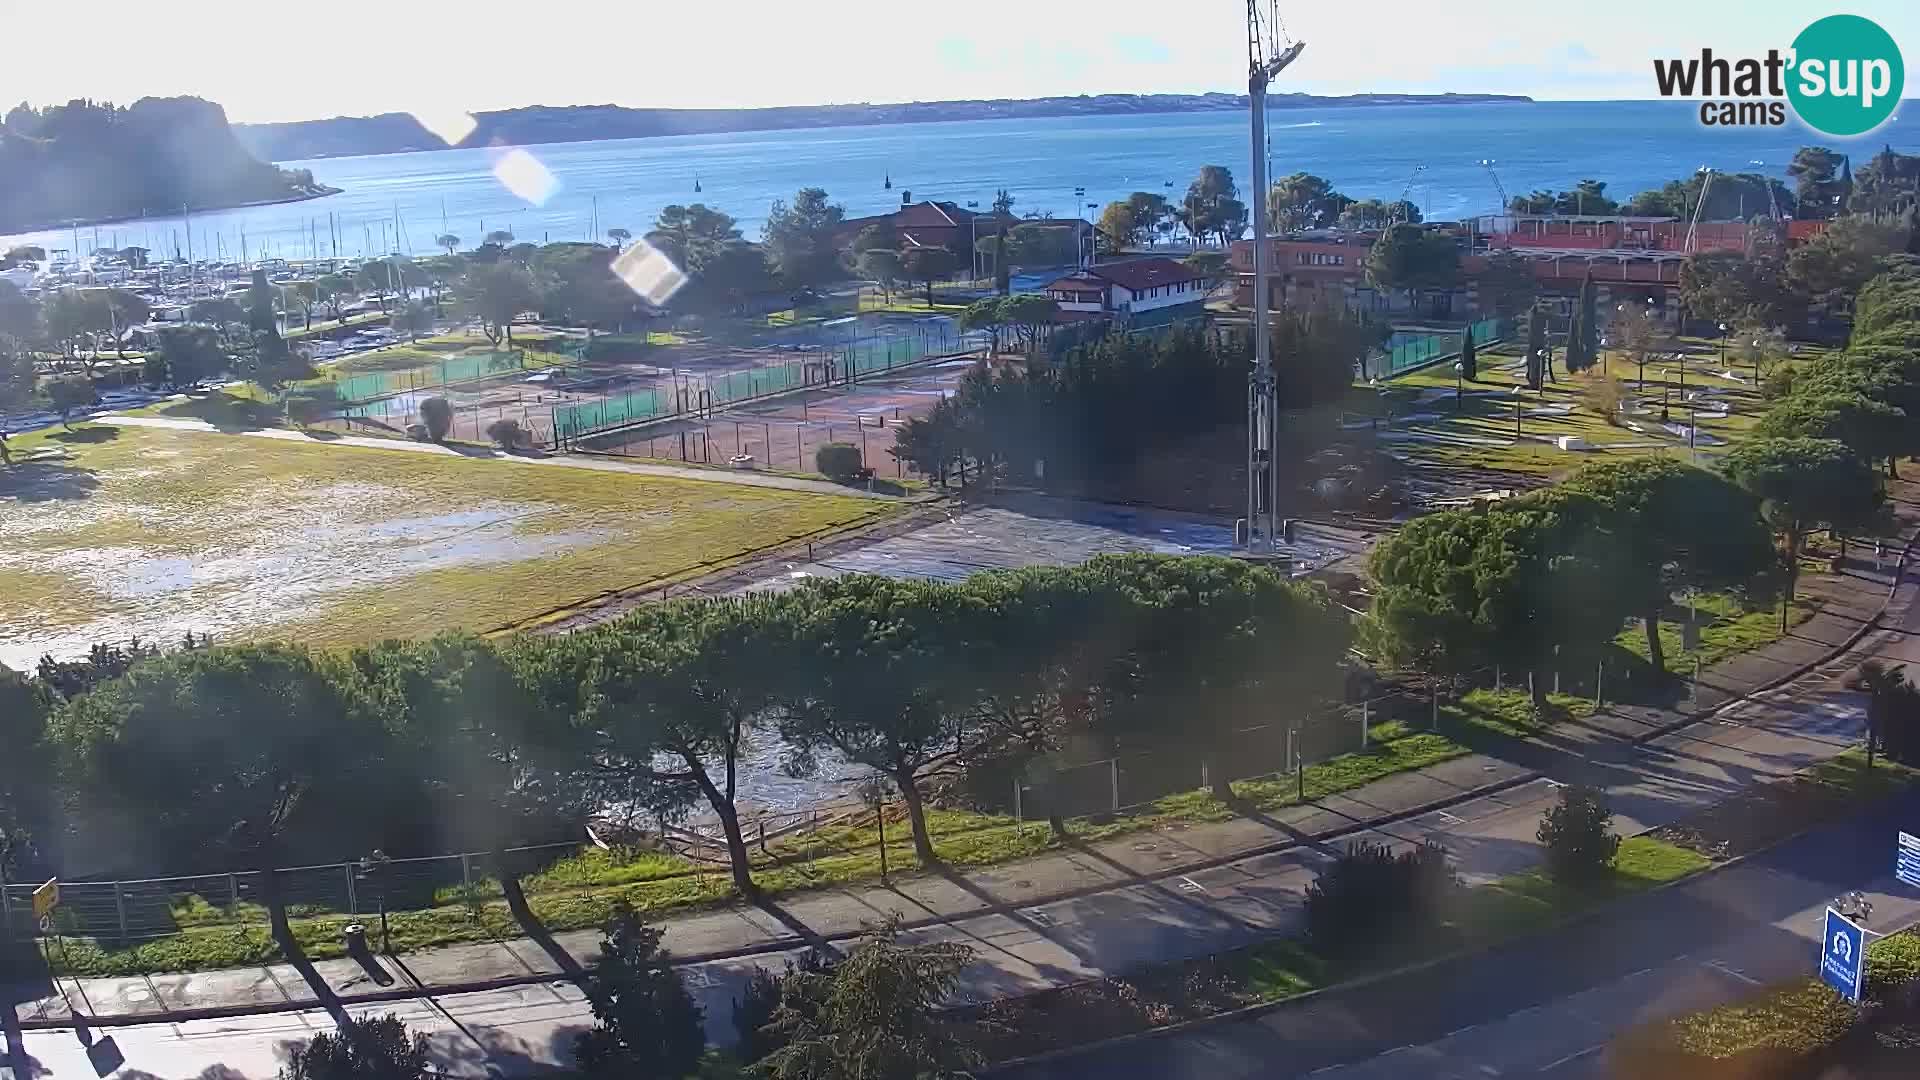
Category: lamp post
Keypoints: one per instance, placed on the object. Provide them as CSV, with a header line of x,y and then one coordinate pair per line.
x,y
973,253
1458,388
373,868
1723,345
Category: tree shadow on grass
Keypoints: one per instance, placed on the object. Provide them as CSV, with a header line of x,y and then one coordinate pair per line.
x,y
92,433
46,481
226,412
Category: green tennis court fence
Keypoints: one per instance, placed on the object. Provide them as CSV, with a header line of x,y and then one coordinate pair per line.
x,y
1409,351
462,367
876,355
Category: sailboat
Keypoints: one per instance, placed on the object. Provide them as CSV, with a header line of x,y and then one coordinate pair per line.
x,y
696,183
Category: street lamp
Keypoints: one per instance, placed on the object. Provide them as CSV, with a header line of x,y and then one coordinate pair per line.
x,y
373,868
1458,375
1723,345
973,253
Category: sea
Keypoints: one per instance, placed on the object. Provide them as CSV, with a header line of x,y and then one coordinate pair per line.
x,y
1063,166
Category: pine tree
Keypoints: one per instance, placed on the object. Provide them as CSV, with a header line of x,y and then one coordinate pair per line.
x,y
1469,365
1589,324
1536,346
1576,343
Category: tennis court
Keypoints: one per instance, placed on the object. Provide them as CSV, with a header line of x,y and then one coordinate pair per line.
x,y
785,432
660,379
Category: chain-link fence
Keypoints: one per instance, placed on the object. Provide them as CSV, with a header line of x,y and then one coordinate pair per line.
x,y
827,366
365,386
1075,786
140,909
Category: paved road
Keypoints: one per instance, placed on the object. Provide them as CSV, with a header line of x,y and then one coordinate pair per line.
x,y
1547,1007
1744,923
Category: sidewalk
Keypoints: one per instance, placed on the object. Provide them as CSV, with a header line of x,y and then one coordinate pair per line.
x,y
1097,909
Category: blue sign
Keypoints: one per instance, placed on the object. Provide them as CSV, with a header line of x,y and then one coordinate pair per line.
x,y
1843,955
1906,861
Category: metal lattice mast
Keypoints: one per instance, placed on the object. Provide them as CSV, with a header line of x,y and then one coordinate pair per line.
x,y
1266,57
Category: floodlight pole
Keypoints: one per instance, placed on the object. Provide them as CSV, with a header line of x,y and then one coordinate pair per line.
x,y
1262,409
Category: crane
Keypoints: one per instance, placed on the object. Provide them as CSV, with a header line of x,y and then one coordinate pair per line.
x,y
1498,188
1269,50
1693,225
1394,215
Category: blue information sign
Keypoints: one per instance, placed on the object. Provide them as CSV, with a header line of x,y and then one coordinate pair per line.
x,y
1906,863
1843,955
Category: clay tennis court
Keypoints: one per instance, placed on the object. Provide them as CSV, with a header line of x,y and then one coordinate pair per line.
x,y
785,432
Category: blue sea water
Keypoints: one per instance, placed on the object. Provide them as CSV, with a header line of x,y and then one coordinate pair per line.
x,y
1365,152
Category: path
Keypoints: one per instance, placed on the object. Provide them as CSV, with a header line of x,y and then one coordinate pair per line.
x,y
1069,915
742,477
1547,1006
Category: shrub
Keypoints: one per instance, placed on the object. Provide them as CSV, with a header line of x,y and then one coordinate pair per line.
x,y
377,1048
70,392
765,994
648,1026
437,414
752,1010
1575,832
507,434
417,432
838,461
1370,895
1603,395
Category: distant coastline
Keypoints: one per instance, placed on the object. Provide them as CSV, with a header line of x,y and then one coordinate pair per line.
x,y
319,191
399,133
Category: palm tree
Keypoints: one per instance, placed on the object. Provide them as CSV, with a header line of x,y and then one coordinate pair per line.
x,y
448,241
500,238
1882,685
619,236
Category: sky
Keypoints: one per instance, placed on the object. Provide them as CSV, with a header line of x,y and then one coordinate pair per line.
x,y
267,62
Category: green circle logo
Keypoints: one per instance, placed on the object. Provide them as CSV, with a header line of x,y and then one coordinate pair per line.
x,y
1846,77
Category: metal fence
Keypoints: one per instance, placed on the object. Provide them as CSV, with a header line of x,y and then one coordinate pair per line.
x,y
705,393
146,908
1406,351
464,367
1134,780
1130,781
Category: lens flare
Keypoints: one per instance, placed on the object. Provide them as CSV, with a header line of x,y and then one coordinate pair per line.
x,y
649,272
451,127
525,176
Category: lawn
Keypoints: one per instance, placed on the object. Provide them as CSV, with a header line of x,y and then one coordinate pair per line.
x,y
1274,971
1480,431
157,532
1800,1022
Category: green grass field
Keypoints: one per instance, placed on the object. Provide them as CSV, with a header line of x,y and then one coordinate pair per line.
x,y
155,532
